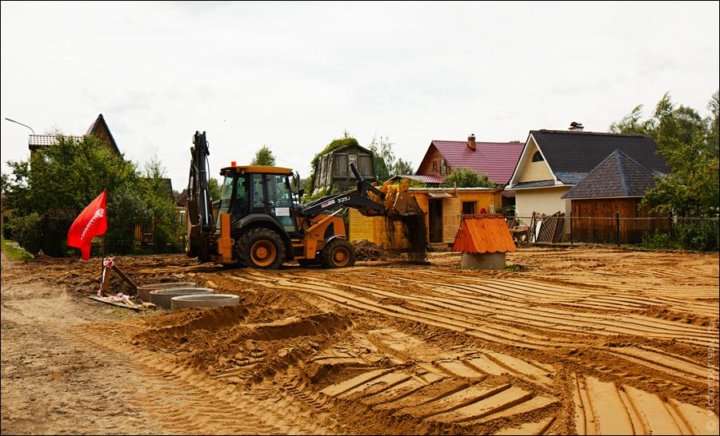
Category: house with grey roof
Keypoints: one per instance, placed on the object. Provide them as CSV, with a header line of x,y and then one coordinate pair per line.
x,y
554,161
613,189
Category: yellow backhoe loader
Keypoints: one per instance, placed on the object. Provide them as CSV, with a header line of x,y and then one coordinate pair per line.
x,y
260,222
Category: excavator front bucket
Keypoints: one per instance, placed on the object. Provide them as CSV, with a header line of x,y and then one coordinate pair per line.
x,y
399,201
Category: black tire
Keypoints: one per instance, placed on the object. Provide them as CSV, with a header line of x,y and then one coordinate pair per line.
x,y
262,248
308,262
338,253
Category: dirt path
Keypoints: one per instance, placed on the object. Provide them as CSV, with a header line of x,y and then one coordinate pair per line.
x,y
55,380
50,382
586,341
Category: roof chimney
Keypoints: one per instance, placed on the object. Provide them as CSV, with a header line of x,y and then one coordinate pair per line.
x,y
576,126
471,142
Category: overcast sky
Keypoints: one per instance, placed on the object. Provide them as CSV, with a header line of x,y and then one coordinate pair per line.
x,y
295,76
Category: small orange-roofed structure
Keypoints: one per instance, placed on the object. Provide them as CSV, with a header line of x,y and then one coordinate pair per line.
x,y
483,241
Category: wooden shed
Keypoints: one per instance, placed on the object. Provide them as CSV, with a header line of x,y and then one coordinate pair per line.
x,y
333,167
605,206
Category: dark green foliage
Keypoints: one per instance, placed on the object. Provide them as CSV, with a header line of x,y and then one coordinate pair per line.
x,y
49,190
695,235
699,236
214,188
689,144
264,156
467,178
26,230
657,240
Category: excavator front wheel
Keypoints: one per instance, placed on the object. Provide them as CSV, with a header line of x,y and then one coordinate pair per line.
x,y
338,253
263,248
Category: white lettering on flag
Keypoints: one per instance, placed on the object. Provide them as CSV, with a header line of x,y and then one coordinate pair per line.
x,y
98,214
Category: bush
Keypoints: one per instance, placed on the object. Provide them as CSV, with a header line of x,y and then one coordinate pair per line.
x,y
697,236
27,231
701,236
657,240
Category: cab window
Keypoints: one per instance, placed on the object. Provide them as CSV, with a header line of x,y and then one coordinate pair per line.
x,y
280,200
240,208
258,192
226,195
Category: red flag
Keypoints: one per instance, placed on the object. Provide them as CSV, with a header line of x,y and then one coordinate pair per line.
x,y
90,223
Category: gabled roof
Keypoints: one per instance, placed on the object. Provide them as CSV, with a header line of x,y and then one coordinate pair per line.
x,y
573,152
182,198
617,176
496,159
484,234
100,129
571,155
345,147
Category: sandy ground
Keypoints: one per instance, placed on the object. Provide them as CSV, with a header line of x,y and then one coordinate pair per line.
x,y
579,340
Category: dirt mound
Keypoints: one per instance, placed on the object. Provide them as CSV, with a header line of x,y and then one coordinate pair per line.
x,y
366,250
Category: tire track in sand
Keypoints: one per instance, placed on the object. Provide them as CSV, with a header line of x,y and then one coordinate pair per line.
x,y
604,408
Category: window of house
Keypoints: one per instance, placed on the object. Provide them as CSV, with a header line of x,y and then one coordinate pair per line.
x,y
435,166
537,157
443,167
351,159
468,207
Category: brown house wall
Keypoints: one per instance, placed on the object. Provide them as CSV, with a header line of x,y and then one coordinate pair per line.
x,y
596,221
426,167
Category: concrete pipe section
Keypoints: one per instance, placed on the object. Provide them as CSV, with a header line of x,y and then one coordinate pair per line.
x,y
162,297
143,291
205,300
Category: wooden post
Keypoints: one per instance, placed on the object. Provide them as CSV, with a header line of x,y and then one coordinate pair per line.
x,y
617,228
571,230
105,280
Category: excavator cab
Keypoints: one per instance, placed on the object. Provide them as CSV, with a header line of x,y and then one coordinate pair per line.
x,y
258,191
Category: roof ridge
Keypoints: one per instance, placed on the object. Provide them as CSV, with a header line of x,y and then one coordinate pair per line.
x,y
575,132
478,142
618,154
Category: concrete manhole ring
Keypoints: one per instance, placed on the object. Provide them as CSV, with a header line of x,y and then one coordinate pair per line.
x,y
204,300
143,291
161,297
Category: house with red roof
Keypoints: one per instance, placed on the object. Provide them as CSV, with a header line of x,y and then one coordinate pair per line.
x,y
497,160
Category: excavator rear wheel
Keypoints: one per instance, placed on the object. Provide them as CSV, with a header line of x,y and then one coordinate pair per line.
x,y
262,248
338,253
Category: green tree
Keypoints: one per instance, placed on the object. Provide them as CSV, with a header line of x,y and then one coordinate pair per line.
x,y
689,144
264,156
57,182
214,188
162,213
386,163
403,167
467,178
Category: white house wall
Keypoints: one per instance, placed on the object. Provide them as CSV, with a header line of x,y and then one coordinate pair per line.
x,y
546,200
533,171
